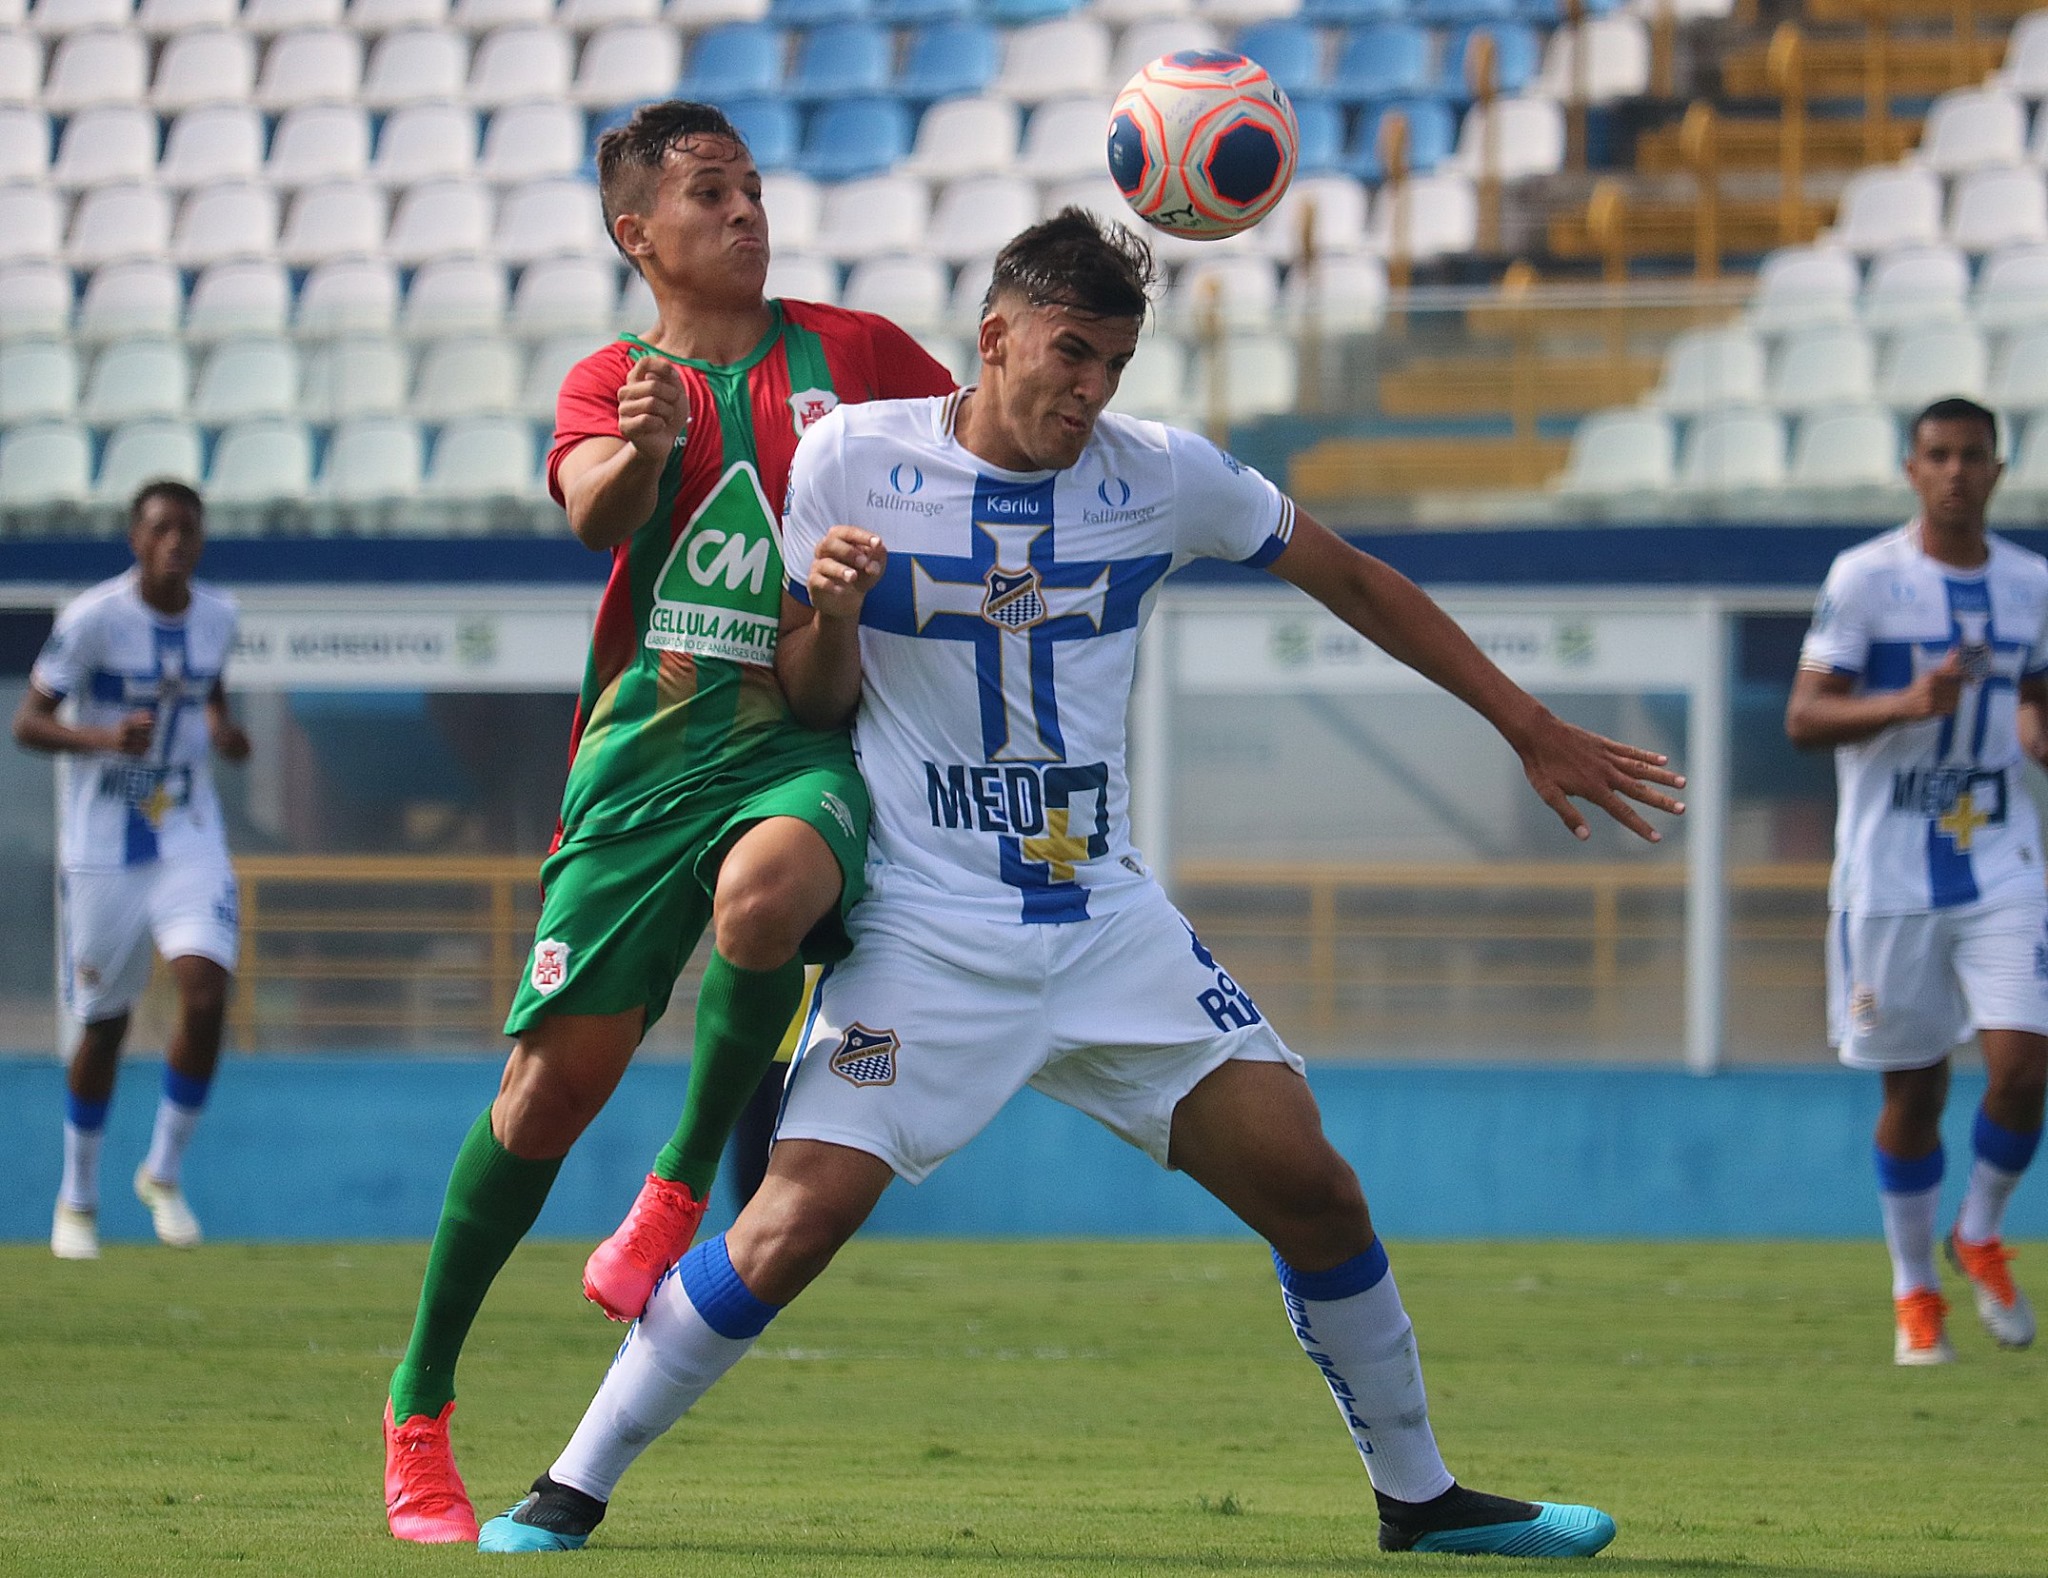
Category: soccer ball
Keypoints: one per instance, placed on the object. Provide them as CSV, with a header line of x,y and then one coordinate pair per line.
x,y
1202,143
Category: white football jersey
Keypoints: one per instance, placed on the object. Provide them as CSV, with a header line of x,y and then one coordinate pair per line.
x,y
1000,645
111,654
1933,814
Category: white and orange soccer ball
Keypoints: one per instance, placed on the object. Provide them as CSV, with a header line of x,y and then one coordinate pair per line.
x,y
1202,143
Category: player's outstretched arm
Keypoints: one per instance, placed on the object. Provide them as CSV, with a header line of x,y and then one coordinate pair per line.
x,y
37,726
1825,711
1562,762
817,656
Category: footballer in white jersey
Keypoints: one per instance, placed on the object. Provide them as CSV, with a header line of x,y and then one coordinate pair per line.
x,y
1926,668
128,692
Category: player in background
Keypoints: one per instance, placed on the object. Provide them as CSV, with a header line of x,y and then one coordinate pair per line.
x,y
693,797
1927,670
141,851
987,641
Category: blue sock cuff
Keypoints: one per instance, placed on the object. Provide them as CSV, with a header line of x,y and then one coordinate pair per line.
x,y
721,1298
2002,1147
87,1116
1908,1177
184,1089
1340,1281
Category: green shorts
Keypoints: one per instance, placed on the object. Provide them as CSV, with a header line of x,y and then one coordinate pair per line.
x,y
621,910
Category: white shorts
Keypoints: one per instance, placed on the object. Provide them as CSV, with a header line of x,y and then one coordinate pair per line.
x,y
918,1039
186,906
1903,989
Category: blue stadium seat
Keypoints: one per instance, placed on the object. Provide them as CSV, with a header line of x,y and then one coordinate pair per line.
x,y
1517,53
1021,13
737,61
1382,61
1462,13
772,129
1432,133
916,13
855,137
841,60
1289,49
816,13
1350,13
950,60
1322,136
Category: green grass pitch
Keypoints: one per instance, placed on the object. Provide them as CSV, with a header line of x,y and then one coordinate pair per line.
x,y
979,1409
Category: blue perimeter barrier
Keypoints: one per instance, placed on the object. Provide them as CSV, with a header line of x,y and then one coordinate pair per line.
x,y
354,1148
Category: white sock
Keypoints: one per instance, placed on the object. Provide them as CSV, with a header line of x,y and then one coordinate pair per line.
x,y
1909,1235
173,1132
671,1357
80,1188
1983,1212
1351,1325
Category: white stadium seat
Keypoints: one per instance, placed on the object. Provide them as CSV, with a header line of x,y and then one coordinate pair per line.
x,y
425,142
222,222
465,377
546,368
527,142
520,63
123,300
550,217
2019,377
2025,70
307,68
970,284
266,18
60,18
636,303
38,381
456,295
163,18
1828,364
1530,139
1970,128
1624,451
372,458
1049,60
115,222
626,62
1236,13
88,69
795,205
216,142
35,300
1145,41
1931,362
210,66
978,214
871,218
244,379
416,66
588,16
484,457
31,223
1798,286
21,69
1242,290
1443,217
439,219
245,296
484,16
1854,447
909,291
1340,210
2012,287
1998,207
1156,383
24,146
965,137
1261,375
1916,285
1889,206
115,142
1733,449
1708,368
346,379
132,379
695,15
2029,470
1345,293
261,461
144,452
1063,140
557,295
1122,13
348,296
802,276
337,220
44,463
374,17
1617,60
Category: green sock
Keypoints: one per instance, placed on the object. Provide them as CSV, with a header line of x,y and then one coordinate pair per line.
x,y
741,1015
493,1197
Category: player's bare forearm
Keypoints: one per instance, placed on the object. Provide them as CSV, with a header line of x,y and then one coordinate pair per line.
x,y
230,742
1824,710
2033,719
818,661
610,489
38,728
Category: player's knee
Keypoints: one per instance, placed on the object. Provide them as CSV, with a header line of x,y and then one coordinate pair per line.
x,y
779,1250
2018,1091
760,920
541,1110
205,999
1321,1201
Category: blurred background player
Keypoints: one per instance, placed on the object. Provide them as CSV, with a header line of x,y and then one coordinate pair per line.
x,y
1927,669
141,848
693,797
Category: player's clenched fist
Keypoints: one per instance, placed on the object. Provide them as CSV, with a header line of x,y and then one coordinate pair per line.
x,y
654,408
846,566
1936,693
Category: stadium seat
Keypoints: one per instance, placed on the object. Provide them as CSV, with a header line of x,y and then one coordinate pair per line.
x,y
464,377
2024,70
104,145
260,461
1125,13
1339,294
24,145
1517,56
218,142
2012,287
244,379
35,300
417,65
1063,141
950,60
1243,290
773,130
1931,362
1069,55
123,300
1998,207
628,62
794,204
910,291
346,379
459,295
44,463
916,13
1321,123
1828,364
315,143
1731,450
1145,42
2019,375
739,60
245,296
372,458
1622,451
438,219
1617,60
1916,285
543,218
210,66
373,18
966,137
855,137
1463,13
1290,50
1351,13
1243,13
1382,61
163,18
38,381
338,220
693,16
309,68
1432,134
267,18
802,277
558,295
484,457
841,60
1798,286
546,368
970,284
61,18
1338,209
517,63
1025,13
21,69
90,69
978,214
1973,127
1155,383
31,223
115,222
1709,368
2028,472
429,142
528,142
487,16
348,296
1855,447
217,223
816,13
132,379
593,16
1886,207
1261,376
1529,143
872,217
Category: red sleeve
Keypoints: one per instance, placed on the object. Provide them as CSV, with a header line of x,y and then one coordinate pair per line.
x,y
903,368
587,407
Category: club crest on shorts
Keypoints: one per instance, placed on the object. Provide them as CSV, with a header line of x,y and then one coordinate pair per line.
x,y
550,966
808,405
866,1057
1863,1009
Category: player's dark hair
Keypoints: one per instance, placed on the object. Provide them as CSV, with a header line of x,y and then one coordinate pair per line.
x,y
164,488
1954,409
1076,260
630,157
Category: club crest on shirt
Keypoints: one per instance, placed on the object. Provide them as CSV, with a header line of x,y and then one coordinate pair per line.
x,y
809,405
1014,600
550,966
866,1057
